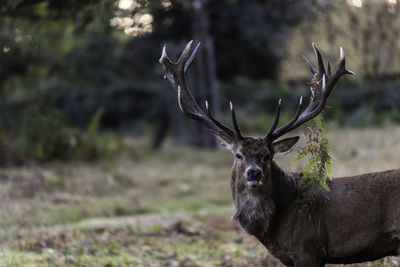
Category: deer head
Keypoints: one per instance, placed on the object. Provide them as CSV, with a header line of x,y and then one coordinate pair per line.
x,y
253,156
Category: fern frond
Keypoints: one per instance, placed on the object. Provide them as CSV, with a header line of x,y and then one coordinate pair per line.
x,y
319,165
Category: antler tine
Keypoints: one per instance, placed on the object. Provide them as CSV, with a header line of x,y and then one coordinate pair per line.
x,y
183,62
286,127
305,116
219,124
342,60
175,74
164,59
310,66
184,56
321,68
190,60
317,103
340,71
235,124
329,69
341,64
276,120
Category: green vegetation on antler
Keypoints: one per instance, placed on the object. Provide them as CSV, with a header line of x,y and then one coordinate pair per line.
x,y
319,165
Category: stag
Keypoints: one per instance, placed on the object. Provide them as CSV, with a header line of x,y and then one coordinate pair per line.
x,y
358,221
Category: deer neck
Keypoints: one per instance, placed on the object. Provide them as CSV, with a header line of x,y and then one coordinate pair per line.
x,y
284,186
256,210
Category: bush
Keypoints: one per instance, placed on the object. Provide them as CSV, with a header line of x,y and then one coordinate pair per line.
x,y
46,135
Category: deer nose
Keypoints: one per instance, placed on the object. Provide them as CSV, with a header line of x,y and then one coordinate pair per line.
x,y
253,174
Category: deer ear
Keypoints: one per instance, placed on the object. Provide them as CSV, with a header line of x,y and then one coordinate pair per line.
x,y
223,140
284,145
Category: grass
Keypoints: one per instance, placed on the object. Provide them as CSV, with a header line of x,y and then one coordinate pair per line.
x,y
188,243
172,208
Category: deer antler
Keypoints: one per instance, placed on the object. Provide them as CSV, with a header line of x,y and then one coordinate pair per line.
x,y
325,83
175,74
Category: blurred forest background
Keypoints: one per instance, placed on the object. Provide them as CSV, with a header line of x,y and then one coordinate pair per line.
x,y
98,167
76,75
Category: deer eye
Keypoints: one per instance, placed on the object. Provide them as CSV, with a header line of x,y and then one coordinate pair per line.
x,y
238,156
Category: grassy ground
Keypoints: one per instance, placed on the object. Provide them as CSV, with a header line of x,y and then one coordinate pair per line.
x,y
172,208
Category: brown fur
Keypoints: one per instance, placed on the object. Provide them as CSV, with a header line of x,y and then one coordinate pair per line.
x,y
360,220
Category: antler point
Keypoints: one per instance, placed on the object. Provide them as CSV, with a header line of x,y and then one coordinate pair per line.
x,y
341,53
163,53
189,44
315,47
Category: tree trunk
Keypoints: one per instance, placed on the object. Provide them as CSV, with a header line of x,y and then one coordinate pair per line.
x,y
178,133
205,81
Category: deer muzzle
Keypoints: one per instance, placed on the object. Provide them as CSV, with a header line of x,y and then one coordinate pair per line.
x,y
253,176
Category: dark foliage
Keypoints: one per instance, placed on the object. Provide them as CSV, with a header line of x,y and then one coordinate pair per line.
x,y
62,61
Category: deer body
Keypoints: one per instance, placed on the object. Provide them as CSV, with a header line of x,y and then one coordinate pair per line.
x,y
358,220
356,223
363,217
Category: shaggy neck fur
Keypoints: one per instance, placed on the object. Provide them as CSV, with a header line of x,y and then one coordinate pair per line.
x,y
256,209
